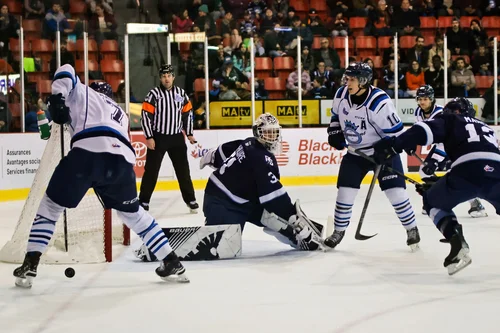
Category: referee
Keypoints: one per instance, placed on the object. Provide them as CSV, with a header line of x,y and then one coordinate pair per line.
x,y
167,112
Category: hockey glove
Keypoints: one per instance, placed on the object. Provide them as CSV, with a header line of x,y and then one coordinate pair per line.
x,y
336,138
58,109
429,167
428,182
384,150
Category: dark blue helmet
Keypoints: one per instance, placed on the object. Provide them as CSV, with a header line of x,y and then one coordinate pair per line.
x,y
425,91
166,69
103,88
460,105
360,70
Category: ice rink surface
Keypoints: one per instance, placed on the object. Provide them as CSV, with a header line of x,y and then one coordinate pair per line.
x,y
367,287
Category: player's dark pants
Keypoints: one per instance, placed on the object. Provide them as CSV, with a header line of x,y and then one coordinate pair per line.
x,y
111,176
176,148
354,168
221,210
480,178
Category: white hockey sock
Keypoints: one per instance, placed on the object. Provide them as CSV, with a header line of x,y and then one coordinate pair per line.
x,y
44,225
402,206
146,227
343,207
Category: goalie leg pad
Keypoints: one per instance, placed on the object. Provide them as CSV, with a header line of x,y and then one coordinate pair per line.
x,y
200,243
146,227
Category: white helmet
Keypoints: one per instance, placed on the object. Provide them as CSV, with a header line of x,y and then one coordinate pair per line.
x,y
267,131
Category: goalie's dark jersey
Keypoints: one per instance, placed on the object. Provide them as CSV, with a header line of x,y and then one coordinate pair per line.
x,y
248,175
465,138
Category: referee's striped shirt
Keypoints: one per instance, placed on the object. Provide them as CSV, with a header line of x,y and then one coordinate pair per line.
x,y
167,112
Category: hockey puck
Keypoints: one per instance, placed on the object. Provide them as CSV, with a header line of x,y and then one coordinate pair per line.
x,y
69,272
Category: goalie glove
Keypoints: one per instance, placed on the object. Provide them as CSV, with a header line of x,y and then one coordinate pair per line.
x,y
59,112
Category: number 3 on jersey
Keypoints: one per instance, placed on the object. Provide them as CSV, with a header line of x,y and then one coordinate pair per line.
x,y
487,133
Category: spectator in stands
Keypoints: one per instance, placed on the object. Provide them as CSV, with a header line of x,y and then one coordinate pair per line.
x,y
405,21
313,21
481,62
319,89
228,71
491,9
298,30
66,58
183,23
428,8
260,90
327,55
215,61
227,25
435,76
105,4
292,83
489,105
363,7
375,76
196,65
449,8
9,28
321,72
340,6
438,49
218,11
227,92
414,78
469,8
457,38
241,60
193,8
288,20
339,27
477,35
235,40
389,53
119,97
418,53
273,43
102,25
34,9
256,9
379,21
55,20
205,22
463,83
237,7
307,59
247,26
390,81
268,22
280,7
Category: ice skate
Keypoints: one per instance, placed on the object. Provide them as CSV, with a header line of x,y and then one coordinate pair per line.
x,y
413,239
424,212
458,258
27,272
477,209
172,270
193,207
334,239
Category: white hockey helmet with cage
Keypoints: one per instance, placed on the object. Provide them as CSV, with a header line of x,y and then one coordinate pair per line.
x,y
267,131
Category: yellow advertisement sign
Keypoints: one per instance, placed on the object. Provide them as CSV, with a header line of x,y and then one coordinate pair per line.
x,y
233,113
287,111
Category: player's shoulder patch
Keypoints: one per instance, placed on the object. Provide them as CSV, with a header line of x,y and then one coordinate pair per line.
x,y
340,92
376,98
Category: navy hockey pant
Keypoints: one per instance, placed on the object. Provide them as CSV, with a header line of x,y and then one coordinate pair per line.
x,y
111,176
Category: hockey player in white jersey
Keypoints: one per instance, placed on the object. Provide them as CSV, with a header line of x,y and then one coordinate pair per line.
x,y
102,158
436,159
362,115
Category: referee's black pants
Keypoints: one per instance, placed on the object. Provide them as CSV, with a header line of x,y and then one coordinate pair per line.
x,y
176,148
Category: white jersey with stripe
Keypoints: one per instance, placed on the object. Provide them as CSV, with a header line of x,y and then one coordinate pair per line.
x,y
97,123
419,113
367,123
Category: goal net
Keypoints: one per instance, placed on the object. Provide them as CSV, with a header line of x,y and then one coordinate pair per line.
x,y
89,232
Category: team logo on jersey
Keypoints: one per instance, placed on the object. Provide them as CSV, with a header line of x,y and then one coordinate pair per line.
x,y
488,168
178,98
269,161
351,132
344,111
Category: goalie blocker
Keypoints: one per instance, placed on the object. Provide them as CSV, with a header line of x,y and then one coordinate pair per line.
x,y
200,243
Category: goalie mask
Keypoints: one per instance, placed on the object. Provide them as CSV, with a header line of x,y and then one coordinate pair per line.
x,y
267,131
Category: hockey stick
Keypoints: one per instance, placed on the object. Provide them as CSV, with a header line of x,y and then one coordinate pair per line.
x,y
388,168
65,214
358,234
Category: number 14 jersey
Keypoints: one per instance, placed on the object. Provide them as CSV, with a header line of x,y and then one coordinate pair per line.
x,y
368,122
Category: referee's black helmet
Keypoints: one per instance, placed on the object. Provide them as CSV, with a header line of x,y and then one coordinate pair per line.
x,y
166,69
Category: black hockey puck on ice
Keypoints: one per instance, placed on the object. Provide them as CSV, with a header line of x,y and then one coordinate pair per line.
x,y
69,272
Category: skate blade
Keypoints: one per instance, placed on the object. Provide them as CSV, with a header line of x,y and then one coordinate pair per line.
x,y
193,211
477,214
424,212
414,247
465,261
26,282
177,278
